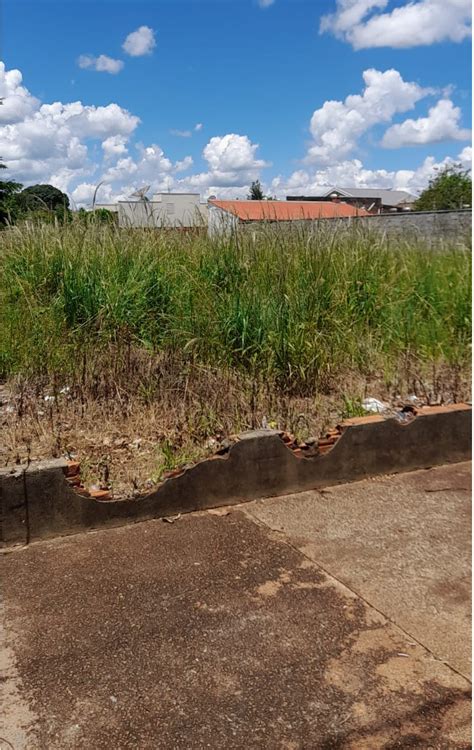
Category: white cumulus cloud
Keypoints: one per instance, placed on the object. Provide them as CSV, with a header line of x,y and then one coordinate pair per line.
x,y
150,164
114,146
232,152
337,125
352,173
102,63
441,124
17,102
409,25
83,194
51,141
233,165
140,42
96,122
184,164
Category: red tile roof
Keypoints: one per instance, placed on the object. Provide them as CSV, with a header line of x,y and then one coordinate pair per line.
x,y
288,210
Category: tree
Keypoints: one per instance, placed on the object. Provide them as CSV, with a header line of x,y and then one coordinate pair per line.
x,y
44,197
451,188
45,203
256,192
9,190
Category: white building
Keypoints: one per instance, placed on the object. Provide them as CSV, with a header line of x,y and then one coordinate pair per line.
x,y
164,210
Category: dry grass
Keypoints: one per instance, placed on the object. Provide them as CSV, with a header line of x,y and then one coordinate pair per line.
x,y
126,440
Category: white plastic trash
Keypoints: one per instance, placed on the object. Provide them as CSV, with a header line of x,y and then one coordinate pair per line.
x,y
374,405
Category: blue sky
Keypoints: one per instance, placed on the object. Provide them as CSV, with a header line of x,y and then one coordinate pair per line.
x,y
257,76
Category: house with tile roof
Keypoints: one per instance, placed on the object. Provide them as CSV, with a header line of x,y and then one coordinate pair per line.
x,y
226,216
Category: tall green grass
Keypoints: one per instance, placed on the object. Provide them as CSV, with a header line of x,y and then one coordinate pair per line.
x,y
297,308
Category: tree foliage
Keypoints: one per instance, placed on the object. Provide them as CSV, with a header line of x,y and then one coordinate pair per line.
x,y
451,188
9,190
44,197
256,192
98,216
41,202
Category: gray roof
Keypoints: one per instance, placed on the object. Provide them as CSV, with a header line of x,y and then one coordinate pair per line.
x,y
388,197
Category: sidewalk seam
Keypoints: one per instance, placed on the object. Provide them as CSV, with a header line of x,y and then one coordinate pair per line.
x,y
286,541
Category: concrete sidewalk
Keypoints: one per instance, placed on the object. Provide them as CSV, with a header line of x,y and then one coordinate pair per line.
x,y
333,619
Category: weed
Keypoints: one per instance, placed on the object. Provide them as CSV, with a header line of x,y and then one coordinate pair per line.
x,y
352,407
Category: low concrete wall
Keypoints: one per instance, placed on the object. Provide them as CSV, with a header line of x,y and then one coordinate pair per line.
x,y
430,225
39,502
434,227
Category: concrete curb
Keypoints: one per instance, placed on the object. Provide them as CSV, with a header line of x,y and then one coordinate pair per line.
x,y
46,499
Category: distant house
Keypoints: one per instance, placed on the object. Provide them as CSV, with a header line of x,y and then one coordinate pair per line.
x,y
373,200
228,215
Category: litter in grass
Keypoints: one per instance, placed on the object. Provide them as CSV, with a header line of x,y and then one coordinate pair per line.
x,y
374,405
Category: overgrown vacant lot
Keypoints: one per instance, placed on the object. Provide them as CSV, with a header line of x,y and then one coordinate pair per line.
x,y
137,350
